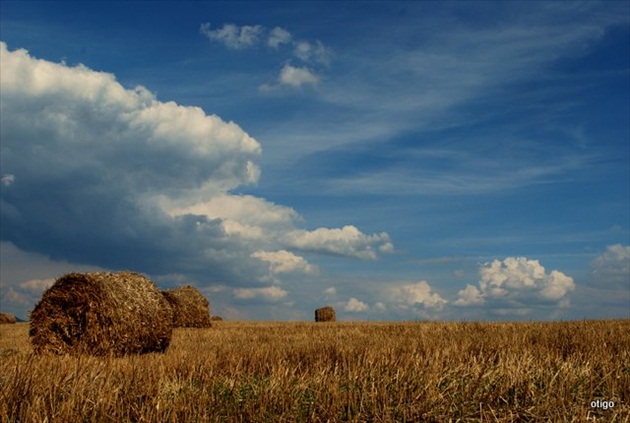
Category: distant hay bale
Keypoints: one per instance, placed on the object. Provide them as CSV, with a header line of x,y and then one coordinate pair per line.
x,y
190,308
216,318
6,318
325,314
101,313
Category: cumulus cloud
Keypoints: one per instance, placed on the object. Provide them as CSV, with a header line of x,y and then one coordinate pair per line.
x,y
233,36
98,174
517,282
284,262
271,293
353,305
469,296
95,160
611,269
347,241
416,294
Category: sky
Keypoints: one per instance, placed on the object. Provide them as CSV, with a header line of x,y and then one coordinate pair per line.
x,y
395,160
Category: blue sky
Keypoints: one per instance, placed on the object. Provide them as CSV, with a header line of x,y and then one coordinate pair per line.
x,y
397,160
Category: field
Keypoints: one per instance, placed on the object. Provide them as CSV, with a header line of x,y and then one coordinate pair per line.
x,y
344,371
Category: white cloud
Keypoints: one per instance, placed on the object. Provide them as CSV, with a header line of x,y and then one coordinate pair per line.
x,y
347,241
271,293
312,52
37,286
296,77
278,36
518,282
7,179
354,305
233,36
129,181
416,294
611,269
330,292
469,296
284,262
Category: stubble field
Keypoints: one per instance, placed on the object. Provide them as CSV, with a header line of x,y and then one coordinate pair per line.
x,y
344,371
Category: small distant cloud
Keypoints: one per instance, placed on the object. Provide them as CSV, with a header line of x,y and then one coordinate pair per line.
x,y
347,241
292,77
379,306
278,36
353,305
7,179
469,296
233,36
37,286
272,293
296,76
284,262
611,269
416,294
330,292
313,52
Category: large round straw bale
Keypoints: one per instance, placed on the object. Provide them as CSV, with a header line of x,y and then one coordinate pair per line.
x,y
216,318
325,314
7,318
101,313
190,308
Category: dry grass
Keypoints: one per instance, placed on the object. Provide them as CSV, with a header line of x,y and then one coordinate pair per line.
x,y
359,372
101,313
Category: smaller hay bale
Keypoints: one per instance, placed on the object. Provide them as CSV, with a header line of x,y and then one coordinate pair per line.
x,y
216,318
6,318
325,314
101,313
190,308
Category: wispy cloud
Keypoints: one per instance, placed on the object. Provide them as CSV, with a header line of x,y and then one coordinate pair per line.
x,y
244,37
233,36
611,269
271,293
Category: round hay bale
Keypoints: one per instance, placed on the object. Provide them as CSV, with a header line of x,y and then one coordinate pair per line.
x,y
6,318
101,313
216,318
190,308
325,314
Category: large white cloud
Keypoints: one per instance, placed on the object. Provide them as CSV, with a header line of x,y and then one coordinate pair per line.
x,y
94,173
517,282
